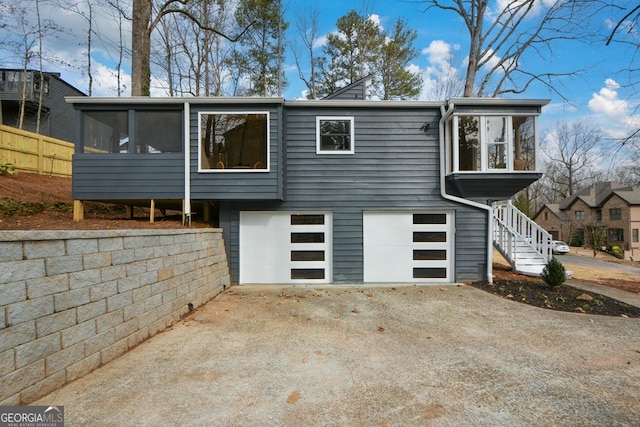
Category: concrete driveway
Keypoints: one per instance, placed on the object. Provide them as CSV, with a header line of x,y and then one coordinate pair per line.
x,y
374,356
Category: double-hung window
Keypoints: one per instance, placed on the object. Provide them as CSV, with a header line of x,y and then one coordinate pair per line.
x,y
615,213
334,135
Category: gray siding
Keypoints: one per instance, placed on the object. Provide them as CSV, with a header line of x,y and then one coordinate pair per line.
x,y
128,176
239,185
395,167
61,114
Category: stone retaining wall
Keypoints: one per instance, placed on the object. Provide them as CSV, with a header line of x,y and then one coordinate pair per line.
x,y
71,301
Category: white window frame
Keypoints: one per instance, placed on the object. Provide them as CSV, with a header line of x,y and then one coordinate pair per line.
x,y
231,170
350,119
454,163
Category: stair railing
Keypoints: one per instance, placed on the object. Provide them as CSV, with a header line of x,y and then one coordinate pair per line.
x,y
512,227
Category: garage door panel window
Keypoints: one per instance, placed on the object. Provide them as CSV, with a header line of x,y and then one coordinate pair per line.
x,y
429,255
307,255
429,236
307,237
429,273
307,219
429,219
307,273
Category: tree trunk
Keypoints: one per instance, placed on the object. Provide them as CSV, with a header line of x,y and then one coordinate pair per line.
x,y
141,48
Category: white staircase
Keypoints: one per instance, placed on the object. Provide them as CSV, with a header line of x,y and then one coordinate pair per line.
x,y
522,242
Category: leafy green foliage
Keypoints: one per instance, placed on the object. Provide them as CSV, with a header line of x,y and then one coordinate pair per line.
x,y
362,48
262,57
616,251
554,273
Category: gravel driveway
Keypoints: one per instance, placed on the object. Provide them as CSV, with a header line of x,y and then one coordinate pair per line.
x,y
375,356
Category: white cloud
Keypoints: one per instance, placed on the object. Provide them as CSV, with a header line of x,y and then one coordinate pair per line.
x,y
614,115
536,8
320,42
440,78
606,101
375,19
440,52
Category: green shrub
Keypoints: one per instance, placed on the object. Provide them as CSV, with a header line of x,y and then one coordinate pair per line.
x,y
554,273
616,251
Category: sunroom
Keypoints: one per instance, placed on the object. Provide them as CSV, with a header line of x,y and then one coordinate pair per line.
x,y
491,146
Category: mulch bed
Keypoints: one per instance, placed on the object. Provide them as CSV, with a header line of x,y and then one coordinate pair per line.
x,y
562,298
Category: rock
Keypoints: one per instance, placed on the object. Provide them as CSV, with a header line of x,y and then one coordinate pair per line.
x,y
585,297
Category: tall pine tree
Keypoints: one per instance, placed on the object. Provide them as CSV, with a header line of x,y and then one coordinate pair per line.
x,y
361,48
262,46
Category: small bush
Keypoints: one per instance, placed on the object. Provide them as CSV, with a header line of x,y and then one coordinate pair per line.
x,y
554,273
7,169
616,251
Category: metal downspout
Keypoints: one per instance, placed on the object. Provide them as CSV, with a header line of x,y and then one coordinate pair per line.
x,y
445,114
187,166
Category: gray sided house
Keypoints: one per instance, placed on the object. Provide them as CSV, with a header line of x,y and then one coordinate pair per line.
x,y
329,191
47,91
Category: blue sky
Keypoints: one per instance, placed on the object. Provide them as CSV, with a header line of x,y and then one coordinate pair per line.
x,y
597,95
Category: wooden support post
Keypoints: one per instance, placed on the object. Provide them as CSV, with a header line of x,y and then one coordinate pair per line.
x,y
207,212
152,214
78,210
128,209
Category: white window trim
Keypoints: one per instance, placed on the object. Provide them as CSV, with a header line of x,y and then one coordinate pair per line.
x,y
453,167
352,135
508,143
230,170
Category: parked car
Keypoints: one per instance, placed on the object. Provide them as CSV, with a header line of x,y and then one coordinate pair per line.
x,y
559,248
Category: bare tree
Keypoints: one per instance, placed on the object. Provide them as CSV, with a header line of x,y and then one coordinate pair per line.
x,y
307,24
501,37
87,14
572,150
144,20
195,59
625,32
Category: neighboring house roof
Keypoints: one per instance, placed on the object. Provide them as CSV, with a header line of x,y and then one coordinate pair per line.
x,y
630,195
554,208
596,194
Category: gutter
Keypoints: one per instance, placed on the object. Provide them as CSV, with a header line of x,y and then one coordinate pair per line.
x,y
443,192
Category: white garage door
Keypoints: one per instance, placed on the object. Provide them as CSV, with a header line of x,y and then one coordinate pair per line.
x,y
285,247
408,247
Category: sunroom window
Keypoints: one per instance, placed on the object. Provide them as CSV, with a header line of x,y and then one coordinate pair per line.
x,y
154,131
234,142
491,143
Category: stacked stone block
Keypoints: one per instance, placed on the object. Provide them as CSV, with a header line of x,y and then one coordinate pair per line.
x,y
71,301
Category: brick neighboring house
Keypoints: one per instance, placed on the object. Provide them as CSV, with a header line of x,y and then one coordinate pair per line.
x,y
614,205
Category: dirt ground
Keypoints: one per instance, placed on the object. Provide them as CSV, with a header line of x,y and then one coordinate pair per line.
x,y
40,202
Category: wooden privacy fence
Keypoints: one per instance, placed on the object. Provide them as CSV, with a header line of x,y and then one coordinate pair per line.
x,y
31,152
